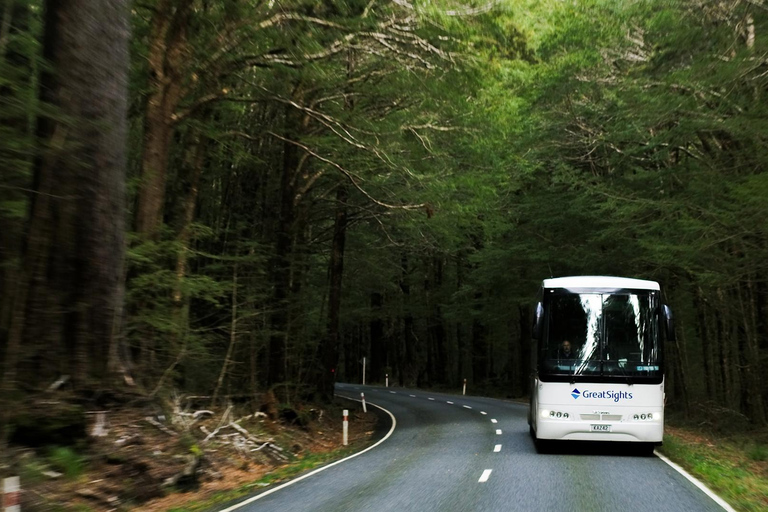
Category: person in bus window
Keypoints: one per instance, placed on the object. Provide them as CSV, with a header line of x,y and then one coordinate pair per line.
x,y
565,351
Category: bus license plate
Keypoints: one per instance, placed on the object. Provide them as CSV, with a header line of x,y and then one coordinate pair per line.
x,y
601,428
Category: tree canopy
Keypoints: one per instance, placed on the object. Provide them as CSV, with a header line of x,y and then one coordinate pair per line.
x,y
311,183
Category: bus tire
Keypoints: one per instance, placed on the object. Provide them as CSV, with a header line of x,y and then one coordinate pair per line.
x,y
646,449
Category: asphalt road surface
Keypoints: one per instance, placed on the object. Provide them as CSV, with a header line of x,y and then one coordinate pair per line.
x,y
454,453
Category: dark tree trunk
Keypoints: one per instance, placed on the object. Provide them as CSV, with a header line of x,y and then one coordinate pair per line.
x,y
752,389
330,349
167,53
378,344
74,253
480,360
281,261
437,338
464,350
17,69
516,380
708,347
409,364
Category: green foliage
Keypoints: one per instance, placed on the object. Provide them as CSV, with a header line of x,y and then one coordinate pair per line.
x,y
66,460
482,149
758,452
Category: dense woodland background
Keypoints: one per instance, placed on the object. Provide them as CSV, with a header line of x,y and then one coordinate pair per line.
x,y
229,197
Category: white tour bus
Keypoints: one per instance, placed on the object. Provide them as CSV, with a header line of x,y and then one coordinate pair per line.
x,y
598,372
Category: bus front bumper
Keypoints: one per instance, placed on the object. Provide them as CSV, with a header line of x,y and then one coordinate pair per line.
x,y
577,430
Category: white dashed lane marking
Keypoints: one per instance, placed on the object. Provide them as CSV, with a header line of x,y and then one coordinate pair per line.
x,y
485,476
449,403
483,413
494,421
467,407
497,448
498,431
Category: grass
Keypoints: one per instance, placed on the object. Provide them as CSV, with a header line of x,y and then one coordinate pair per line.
x,y
67,461
287,472
734,467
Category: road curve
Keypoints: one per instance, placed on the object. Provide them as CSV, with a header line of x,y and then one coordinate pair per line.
x,y
450,452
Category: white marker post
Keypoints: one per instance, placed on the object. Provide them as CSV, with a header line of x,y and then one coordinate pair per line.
x,y
11,494
464,391
386,380
99,428
345,428
362,395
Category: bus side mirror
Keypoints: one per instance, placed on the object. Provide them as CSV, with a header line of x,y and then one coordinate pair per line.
x,y
669,323
538,322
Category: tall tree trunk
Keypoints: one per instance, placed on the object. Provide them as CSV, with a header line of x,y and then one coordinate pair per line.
x,y
330,349
232,338
409,364
168,49
378,343
19,74
752,390
75,244
710,371
194,161
436,327
293,160
464,349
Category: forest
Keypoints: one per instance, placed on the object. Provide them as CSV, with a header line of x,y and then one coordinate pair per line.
x,y
235,197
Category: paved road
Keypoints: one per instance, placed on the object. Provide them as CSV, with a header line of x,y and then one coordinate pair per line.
x,y
444,446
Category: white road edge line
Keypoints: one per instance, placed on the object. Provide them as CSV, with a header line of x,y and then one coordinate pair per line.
x,y
286,484
497,448
485,476
706,490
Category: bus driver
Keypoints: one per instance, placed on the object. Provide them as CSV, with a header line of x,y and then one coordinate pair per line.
x,y
565,350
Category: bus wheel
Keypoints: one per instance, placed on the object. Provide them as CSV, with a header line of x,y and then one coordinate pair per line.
x,y
542,445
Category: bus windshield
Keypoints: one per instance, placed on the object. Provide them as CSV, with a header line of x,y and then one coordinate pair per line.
x,y
605,335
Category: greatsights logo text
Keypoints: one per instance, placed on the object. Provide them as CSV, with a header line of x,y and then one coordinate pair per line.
x,y
610,394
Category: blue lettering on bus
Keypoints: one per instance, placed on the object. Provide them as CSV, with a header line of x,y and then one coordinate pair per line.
x,y
610,395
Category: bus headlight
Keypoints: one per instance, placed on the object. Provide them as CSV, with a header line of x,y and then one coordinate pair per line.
x,y
547,414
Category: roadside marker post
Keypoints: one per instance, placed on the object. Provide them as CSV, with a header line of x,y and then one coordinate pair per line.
x,y
362,395
386,380
464,391
11,494
345,429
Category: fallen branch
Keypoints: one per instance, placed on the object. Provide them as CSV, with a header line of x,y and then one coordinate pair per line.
x,y
221,424
153,421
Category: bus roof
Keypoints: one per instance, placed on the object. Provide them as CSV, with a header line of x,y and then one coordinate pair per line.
x,y
602,282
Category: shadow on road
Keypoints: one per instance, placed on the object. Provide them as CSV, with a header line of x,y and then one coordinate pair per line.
x,y
603,448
